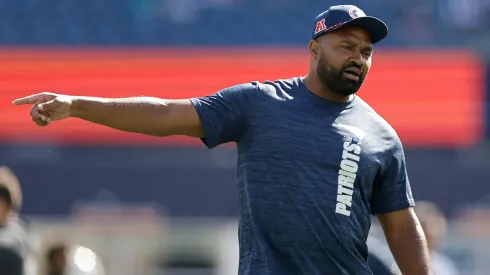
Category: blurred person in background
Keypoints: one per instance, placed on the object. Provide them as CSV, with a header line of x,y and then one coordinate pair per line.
x,y
434,224
15,247
56,260
315,160
465,16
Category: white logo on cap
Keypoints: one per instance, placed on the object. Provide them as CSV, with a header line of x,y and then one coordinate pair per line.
x,y
355,12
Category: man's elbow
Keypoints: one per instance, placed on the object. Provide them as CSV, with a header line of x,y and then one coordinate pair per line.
x,y
401,223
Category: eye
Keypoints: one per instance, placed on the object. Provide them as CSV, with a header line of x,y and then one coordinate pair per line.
x,y
367,53
349,48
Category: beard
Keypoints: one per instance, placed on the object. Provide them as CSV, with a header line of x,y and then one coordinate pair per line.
x,y
334,80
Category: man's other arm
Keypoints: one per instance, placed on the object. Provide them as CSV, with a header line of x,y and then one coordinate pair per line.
x,y
406,241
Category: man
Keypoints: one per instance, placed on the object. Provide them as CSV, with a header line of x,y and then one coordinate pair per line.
x,y
314,160
15,248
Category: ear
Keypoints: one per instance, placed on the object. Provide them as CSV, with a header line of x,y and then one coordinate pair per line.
x,y
314,49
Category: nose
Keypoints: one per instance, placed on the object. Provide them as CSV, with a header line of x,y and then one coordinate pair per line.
x,y
358,58
359,61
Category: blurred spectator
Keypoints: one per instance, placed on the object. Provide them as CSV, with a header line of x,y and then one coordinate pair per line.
x,y
465,15
15,249
434,224
56,260
417,21
179,11
11,192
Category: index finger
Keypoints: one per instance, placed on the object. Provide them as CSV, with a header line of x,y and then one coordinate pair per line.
x,y
32,99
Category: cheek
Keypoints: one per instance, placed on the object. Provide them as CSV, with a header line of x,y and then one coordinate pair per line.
x,y
333,58
366,68
368,63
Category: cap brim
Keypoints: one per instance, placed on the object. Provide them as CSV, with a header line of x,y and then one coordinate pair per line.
x,y
376,28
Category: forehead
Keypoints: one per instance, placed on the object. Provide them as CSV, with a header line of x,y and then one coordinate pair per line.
x,y
353,33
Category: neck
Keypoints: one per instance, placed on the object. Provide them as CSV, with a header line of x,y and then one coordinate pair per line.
x,y
314,84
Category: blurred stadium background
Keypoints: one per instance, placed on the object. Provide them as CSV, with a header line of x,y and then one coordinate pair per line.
x,y
168,206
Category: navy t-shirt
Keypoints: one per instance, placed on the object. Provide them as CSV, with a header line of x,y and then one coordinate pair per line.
x,y
310,173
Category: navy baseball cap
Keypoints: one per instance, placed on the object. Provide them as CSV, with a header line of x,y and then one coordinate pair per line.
x,y
349,15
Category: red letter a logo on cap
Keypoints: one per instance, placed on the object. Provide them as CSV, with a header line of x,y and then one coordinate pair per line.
x,y
320,26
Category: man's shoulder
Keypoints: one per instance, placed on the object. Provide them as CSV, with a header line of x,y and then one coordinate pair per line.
x,y
262,91
279,89
377,122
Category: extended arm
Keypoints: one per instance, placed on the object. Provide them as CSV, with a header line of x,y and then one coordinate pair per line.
x,y
217,118
146,115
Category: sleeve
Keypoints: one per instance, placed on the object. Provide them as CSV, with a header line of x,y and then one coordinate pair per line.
x,y
391,189
223,115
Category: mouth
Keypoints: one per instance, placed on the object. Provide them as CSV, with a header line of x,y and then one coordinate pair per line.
x,y
352,73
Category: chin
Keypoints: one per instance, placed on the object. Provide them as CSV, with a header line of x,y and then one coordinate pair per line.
x,y
348,92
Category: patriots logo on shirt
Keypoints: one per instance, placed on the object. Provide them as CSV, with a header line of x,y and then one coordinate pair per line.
x,y
354,134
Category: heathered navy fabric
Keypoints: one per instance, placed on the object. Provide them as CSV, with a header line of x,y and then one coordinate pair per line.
x,y
310,174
